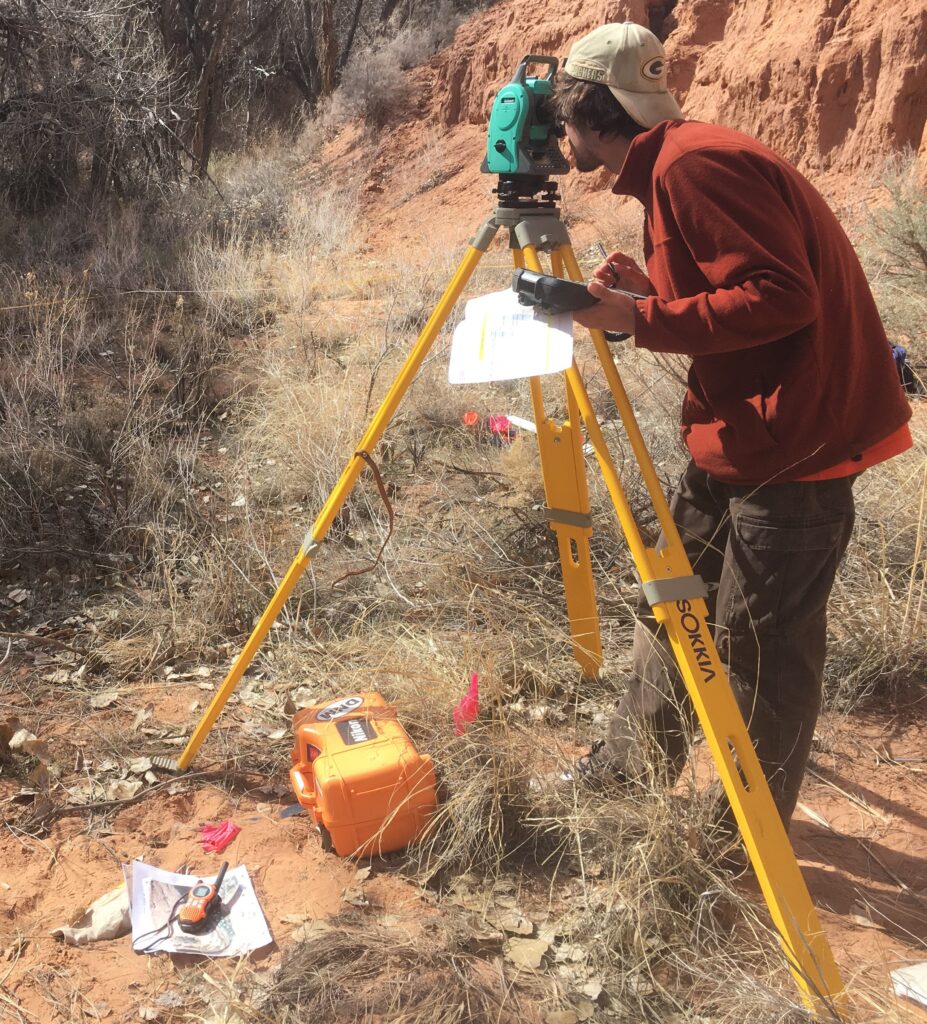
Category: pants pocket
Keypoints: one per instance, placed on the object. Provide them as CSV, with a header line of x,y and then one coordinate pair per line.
x,y
789,536
778,573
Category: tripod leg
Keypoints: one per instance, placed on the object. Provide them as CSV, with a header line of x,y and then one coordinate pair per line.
x,y
342,489
567,494
672,591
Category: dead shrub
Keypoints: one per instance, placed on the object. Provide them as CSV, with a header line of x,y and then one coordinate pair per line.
x,y
354,969
372,87
894,251
87,98
372,84
901,226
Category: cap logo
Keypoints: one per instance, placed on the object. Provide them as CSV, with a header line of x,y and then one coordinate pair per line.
x,y
653,69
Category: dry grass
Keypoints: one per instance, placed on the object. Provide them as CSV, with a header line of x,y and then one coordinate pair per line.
x,y
877,614
356,970
878,641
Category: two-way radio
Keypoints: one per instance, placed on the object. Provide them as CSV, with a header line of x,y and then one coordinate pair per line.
x,y
201,904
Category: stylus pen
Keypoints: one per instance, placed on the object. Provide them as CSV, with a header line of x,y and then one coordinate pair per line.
x,y
617,274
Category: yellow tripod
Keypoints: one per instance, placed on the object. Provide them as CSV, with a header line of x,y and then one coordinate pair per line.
x,y
676,595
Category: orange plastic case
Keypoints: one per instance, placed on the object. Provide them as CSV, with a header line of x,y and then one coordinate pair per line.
x,y
359,775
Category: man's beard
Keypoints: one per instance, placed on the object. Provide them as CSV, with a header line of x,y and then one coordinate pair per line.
x,y
583,161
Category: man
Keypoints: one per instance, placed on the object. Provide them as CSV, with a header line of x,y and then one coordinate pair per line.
x,y
792,393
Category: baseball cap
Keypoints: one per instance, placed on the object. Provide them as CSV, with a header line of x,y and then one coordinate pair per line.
x,y
630,60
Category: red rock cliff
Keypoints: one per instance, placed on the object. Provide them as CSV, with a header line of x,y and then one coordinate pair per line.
x,y
835,85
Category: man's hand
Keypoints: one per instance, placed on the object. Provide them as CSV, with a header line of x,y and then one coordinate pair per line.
x,y
613,312
620,271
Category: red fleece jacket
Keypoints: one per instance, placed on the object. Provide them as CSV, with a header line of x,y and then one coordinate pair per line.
x,y
755,280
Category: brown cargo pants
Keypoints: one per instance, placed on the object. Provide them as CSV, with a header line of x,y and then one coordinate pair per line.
x,y
768,555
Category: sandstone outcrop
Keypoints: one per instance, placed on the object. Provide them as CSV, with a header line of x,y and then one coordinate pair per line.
x,y
835,85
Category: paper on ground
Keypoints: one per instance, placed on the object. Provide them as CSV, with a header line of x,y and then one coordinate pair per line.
x,y
105,918
911,982
517,421
239,928
500,339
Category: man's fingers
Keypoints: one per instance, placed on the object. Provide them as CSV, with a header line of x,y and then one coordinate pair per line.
x,y
597,289
609,272
620,270
613,312
624,262
604,293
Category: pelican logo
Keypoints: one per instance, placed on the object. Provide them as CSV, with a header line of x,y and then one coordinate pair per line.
x,y
339,708
654,69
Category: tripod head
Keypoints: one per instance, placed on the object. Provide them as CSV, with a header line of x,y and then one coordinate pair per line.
x,y
522,138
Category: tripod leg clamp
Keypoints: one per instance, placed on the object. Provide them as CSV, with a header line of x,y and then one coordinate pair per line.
x,y
676,588
568,518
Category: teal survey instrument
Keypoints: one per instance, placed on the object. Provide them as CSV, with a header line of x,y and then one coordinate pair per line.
x,y
522,137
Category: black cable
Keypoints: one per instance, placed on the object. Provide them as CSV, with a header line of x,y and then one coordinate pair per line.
x,y
168,924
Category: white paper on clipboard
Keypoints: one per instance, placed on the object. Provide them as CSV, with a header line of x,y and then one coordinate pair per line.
x,y
500,339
